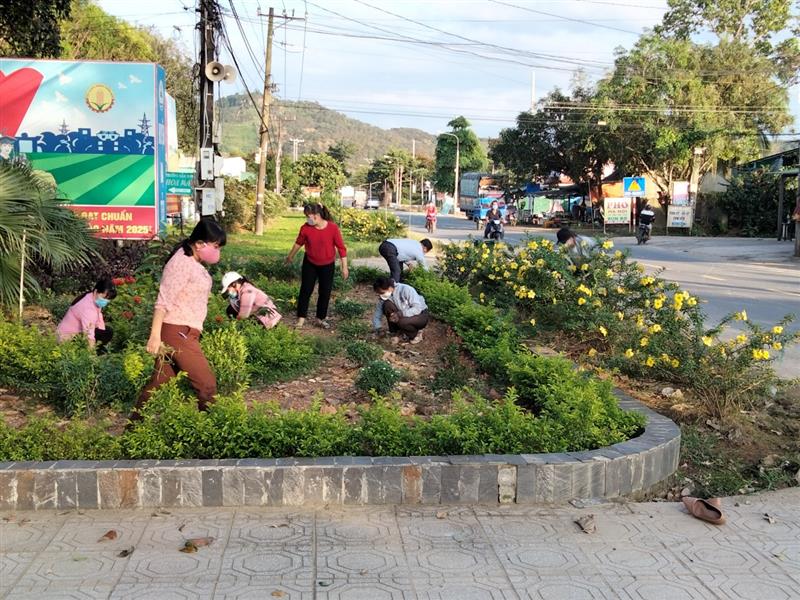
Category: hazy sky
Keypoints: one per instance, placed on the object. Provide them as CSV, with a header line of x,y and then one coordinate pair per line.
x,y
492,49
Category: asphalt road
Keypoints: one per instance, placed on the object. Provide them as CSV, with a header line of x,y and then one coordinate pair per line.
x,y
728,274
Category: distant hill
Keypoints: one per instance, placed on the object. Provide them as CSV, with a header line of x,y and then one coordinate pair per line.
x,y
318,126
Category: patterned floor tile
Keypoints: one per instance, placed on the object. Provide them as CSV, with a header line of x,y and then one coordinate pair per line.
x,y
23,536
749,587
170,532
84,535
566,588
172,567
12,566
659,588
72,570
624,559
545,559
468,589
162,592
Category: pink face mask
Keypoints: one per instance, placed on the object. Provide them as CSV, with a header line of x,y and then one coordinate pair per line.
x,y
208,254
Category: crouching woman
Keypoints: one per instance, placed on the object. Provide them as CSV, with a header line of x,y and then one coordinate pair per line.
x,y
245,300
404,308
85,315
180,311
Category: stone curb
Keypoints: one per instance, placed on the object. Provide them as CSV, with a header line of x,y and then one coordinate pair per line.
x,y
623,469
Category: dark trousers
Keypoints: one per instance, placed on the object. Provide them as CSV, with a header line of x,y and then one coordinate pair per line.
x,y
102,338
410,326
187,356
309,275
389,252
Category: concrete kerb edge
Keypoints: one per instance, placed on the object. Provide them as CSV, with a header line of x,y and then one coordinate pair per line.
x,y
624,469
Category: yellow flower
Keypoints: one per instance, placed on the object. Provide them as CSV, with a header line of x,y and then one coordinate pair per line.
x,y
555,301
540,263
665,357
533,245
650,362
777,346
585,267
691,301
675,363
741,338
506,274
741,316
777,330
592,352
617,254
609,273
461,269
658,303
620,315
555,274
533,322
546,244
620,289
573,268
645,281
597,304
655,328
759,354
603,330
644,342
608,244
581,301
512,265
531,294
628,353
460,256
707,340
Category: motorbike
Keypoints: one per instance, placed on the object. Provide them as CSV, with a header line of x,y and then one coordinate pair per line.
x,y
642,234
496,231
430,224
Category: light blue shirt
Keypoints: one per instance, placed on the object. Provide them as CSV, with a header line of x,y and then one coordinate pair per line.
x,y
407,300
408,250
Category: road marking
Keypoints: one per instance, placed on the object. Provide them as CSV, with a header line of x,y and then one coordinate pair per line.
x,y
714,278
653,266
782,292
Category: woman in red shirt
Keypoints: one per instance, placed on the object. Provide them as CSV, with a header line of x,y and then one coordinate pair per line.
x,y
321,238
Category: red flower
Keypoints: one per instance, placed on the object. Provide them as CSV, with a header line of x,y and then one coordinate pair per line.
x,y
137,299
127,314
118,281
130,279
218,319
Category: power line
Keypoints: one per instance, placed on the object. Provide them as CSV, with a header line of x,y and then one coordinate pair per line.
x,y
573,19
303,57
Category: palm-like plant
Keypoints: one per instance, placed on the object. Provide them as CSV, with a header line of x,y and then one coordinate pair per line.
x,y
32,217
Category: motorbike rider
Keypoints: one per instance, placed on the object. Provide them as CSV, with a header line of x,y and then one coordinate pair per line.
x,y
493,215
430,214
647,217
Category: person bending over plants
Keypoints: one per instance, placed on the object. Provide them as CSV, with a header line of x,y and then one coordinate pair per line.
x,y
85,315
579,247
180,311
404,308
322,239
245,300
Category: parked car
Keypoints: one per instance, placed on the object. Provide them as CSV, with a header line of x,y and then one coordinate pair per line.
x,y
372,203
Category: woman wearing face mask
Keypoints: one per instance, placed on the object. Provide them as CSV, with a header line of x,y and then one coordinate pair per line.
x,y
85,315
321,238
180,310
404,308
245,300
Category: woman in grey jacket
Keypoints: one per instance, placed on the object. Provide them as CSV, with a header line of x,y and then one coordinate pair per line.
x,y
404,308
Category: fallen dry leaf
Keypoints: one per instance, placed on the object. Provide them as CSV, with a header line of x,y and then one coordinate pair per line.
x,y
125,553
442,514
109,535
181,526
200,542
189,548
278,594
587,524
769,518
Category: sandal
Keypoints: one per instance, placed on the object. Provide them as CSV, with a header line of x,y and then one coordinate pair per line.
x,y
707,510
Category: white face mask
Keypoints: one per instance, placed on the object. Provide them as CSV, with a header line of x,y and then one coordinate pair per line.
x,y
310,221
386,296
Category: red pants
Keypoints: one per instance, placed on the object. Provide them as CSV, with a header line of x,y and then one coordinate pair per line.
x,y
187,356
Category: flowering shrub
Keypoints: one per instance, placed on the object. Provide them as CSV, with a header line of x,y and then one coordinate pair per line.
x,y
368,225
639,324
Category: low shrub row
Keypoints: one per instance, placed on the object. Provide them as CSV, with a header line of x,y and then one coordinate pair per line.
x,y
368,225
640,325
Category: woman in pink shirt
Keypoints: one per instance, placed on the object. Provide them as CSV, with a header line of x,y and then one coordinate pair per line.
x,y
85,315
246,300
180,311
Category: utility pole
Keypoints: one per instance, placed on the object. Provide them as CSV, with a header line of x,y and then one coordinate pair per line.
x,y
209,22
796,215
278,154
295,143
266,98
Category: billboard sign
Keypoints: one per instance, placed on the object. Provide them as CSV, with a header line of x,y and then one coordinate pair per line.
x,y
680,193
633,186
617,211
99,128
680,217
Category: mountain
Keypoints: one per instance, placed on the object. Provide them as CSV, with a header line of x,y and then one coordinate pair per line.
x,y
318,126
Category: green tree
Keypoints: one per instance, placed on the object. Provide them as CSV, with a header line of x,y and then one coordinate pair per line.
x,y
31,217
319,170
386,170
472,156
32,27
561,137
342,151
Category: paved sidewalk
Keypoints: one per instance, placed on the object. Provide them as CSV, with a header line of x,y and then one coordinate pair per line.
x,y
640,551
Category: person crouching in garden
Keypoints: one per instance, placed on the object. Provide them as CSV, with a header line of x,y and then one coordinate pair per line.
x,y
180,311
245,300
397,252
322,239
404,308
85,315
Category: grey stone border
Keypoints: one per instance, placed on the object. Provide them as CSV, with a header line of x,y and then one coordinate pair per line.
x,y
624,469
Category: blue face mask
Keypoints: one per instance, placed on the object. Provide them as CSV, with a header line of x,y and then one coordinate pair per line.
x,y
233,295
101,302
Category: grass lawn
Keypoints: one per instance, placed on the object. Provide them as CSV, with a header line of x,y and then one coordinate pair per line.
x,y
279,235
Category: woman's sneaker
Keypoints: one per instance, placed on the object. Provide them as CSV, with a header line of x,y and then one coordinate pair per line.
x,y
417,339
324,323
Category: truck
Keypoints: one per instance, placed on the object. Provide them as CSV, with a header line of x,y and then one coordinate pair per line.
x,y
477,192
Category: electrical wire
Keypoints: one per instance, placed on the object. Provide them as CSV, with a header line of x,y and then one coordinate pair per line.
x,y
303,57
